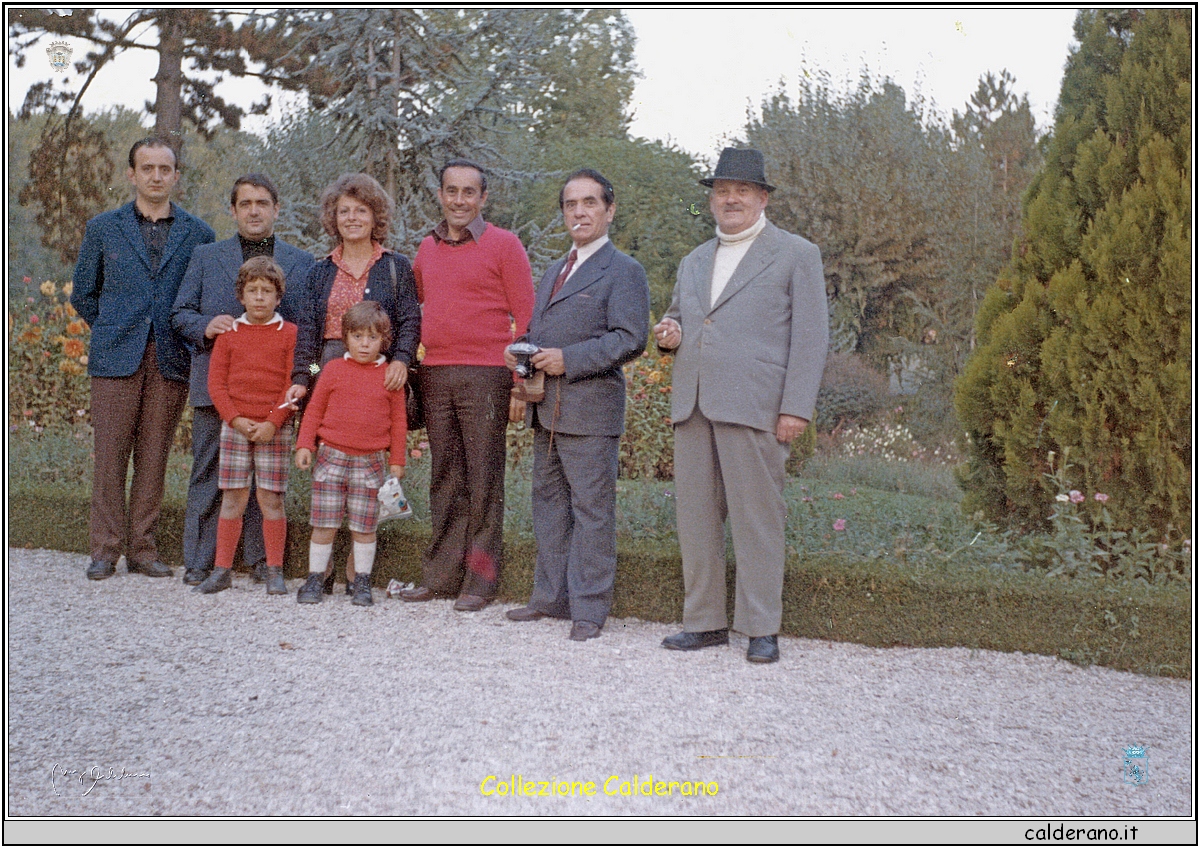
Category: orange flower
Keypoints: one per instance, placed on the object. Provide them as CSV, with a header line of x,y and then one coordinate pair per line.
x,y
76,328
73,347
70,366
33,334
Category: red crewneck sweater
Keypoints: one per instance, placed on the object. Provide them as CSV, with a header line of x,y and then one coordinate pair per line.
x,y
469,292
351,411
250,371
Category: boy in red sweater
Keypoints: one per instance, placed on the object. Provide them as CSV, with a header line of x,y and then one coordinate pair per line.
x,y
355,419
248,376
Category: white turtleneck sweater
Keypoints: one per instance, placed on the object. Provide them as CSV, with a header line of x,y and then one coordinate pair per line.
x,y
730,251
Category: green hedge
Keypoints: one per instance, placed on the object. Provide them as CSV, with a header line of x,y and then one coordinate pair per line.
x,y
1130,627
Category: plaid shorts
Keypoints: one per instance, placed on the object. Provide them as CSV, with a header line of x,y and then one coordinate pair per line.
x,y
265,462
343,484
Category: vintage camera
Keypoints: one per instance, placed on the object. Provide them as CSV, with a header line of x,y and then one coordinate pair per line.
x,y
524,352
532,389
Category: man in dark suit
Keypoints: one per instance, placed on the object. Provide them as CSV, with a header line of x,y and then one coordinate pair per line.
x,y
205,308
129,270
750,327
591,316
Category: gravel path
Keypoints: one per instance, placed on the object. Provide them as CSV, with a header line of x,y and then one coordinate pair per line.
x,y
244,704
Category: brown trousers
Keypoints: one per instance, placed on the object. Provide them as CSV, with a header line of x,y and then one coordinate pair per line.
x,y
132,416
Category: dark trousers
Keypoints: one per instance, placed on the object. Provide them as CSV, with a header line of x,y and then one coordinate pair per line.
x,y
574,522
466,415
204,499
136,417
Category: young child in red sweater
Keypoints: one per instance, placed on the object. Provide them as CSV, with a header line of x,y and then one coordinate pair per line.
x,y
355,419
248,376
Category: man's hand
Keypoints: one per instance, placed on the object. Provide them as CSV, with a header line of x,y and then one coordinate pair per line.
x,y
303,458
510,360
550,360
788,427
219,324
295,393
668,333
397,374
516,410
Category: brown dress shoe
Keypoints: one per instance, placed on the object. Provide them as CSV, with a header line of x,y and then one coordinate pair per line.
x,y
150,569
421,593
470,603
581,631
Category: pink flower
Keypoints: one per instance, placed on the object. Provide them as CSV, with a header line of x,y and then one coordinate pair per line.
x,y
33,319
806,499
27,279
840,524
838,496
1101,497
1076,496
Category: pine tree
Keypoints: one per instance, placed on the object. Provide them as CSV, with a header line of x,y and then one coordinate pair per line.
x,y
1085,340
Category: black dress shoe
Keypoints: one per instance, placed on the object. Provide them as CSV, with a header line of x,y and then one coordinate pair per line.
x,y
694,641
195,576
258,574
470,603
150,569
275,584
581,631
220,580
362,591
525,614
763,649
101,569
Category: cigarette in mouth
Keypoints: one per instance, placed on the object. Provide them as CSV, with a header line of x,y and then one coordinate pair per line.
x,y
576,227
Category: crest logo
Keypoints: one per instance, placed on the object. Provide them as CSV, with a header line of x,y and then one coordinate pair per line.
x,y
60,55
1137,765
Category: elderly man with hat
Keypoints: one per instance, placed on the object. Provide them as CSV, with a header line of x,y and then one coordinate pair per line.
x,y
749,325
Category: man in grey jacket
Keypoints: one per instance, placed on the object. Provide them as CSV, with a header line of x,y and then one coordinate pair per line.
x,y
591,316
749,324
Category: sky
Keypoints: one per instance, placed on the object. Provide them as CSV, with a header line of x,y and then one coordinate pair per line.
x,y
703,68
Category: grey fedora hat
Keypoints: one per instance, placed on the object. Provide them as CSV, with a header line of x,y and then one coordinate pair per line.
x,y
743,164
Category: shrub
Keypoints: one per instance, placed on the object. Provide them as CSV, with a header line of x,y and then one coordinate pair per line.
x,y
851,391
1086,342
648,446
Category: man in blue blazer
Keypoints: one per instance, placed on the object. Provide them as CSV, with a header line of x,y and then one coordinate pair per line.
x,y
591,316
750,327
130,266
205,308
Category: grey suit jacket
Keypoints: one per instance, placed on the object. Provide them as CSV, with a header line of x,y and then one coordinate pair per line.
x,y
760,350
208,291
600,319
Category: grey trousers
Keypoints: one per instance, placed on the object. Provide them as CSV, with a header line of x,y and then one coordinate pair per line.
x,y
735,472
574,522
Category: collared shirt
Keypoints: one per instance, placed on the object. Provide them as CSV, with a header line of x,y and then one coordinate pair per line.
x,y
155,234
582,254
347,289
242,319
474,232
250,249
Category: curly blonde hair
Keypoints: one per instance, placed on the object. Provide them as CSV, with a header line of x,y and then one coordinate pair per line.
x,y
365,189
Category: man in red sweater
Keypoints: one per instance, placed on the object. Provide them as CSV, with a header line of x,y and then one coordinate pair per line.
x,y
474,282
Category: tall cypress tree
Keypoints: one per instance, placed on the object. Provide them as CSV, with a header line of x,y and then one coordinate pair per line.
x,y
1085,341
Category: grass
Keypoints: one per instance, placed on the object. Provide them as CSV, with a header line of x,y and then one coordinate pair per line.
x,y
879,553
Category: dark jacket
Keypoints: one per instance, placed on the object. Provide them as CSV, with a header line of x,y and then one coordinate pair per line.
x,y
398,301
124,301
